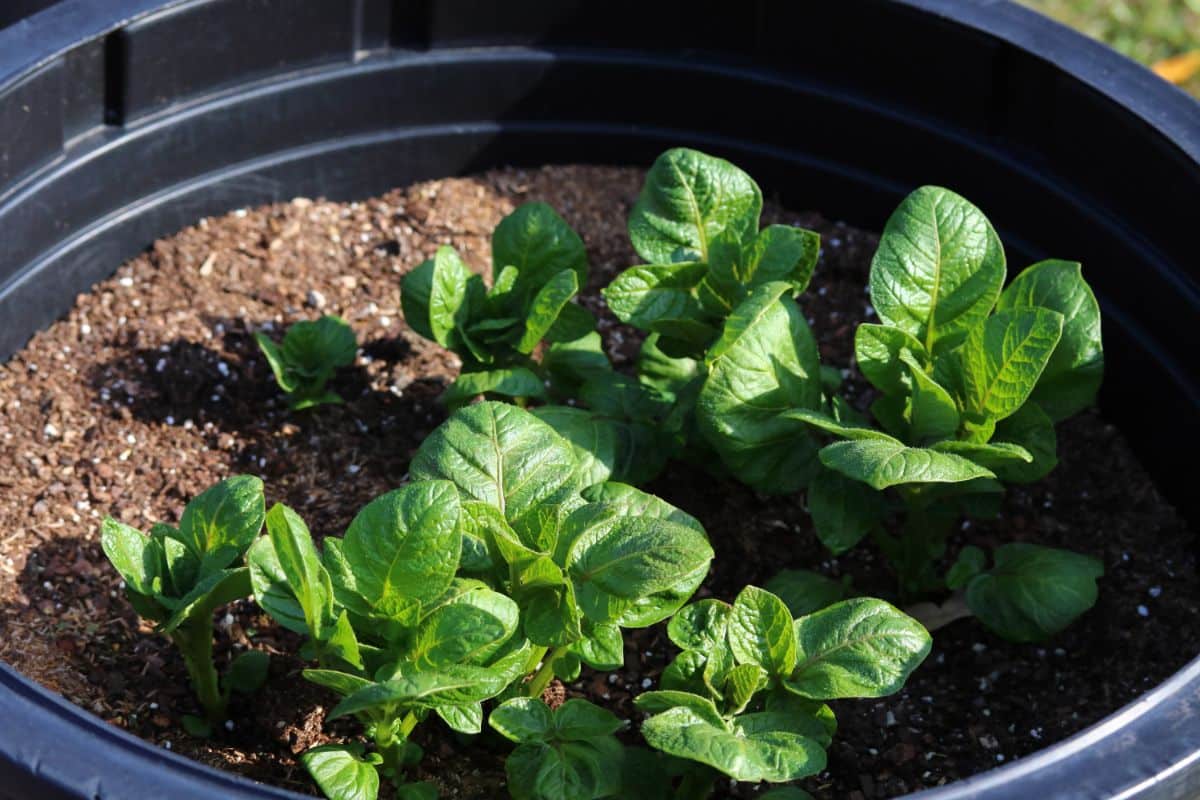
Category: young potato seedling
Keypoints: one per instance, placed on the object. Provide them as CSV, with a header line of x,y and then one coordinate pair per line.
x,y
538,266
308,357
177,578
746,697
971,381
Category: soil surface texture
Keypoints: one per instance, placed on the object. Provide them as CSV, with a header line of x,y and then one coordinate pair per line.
x,y
152,389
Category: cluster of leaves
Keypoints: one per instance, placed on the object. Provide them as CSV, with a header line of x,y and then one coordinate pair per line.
x,y
308,357
746,696
447,592
177,578
971,381
538,266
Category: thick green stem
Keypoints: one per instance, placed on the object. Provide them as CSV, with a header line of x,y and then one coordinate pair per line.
x,y
195,641
392,744
541,679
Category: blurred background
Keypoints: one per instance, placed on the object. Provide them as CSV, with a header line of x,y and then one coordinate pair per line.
x,y
1162,34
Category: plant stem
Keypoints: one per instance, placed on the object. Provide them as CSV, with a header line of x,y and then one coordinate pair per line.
x,y
195,641
541,678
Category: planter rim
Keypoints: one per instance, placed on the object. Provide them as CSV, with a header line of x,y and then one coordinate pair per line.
x,y
29,45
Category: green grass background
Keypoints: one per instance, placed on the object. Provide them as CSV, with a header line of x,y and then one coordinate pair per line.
x,y
1145,30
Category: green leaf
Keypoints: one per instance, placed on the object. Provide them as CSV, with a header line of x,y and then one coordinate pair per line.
x,y
701,626
881,464
343,683
804,592
222,521
761,632
302,567
1003,358
741,684
450,685
1033,592
577,720
877,349
633,502
341,773
843,510
448,295
971,562
574,322
856,648
601,648
272,590
993,456
933,414
1031,429
248,672
645,295
507,381
764,364
777,253
660,371
565,771
594,439
467,627
570,364
503,456
405,546
773,756
828,424
416,288
286,380
196,726
938,269
547,304
466,718
1072,375
523,720
614,561
540,244
423,790
136,558
688,200
551,616
213,590
622,397
660,701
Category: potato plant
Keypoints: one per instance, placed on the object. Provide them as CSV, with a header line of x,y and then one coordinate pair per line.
x,y
311,352
177,577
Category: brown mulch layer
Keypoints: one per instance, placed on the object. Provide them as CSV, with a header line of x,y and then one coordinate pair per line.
x,y
151,389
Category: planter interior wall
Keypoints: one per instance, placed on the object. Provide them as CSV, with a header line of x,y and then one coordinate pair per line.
x,y
124,123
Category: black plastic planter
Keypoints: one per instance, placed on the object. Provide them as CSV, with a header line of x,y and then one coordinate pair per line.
x,y
123,123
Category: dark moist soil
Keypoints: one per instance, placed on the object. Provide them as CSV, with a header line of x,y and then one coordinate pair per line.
x,y
152,389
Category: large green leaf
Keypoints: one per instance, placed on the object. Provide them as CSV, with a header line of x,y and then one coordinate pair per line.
x,y
700,626
449,685
577,720
933,414
646,295
570,364
416,288
764,364
506,457
688,200
881,464
938,269
856,648
1033,592
213,590
764,756
1003,358
660,371
547,304
1072,375
341,773
595,439
615,561
842,429
586,770
404,547
633,502
468,626
314,349
664,700
843,510
778,253
523,720
221,522
761,632
271,588
506,381
540,244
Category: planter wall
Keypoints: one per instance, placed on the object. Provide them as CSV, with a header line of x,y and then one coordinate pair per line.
x,y
122,124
